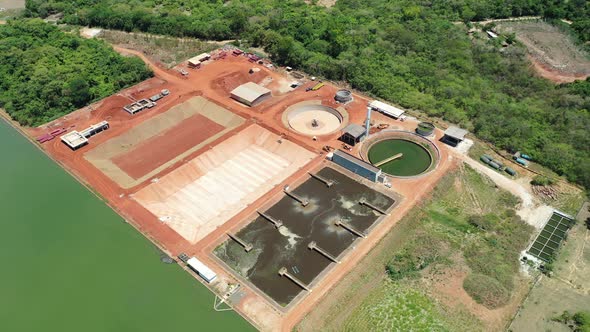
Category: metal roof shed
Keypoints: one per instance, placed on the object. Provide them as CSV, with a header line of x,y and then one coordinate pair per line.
x,y
386,109
356,165
352,134
250,93
454,135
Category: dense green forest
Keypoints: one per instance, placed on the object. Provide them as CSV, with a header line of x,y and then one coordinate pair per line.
x,y
46,73
408,52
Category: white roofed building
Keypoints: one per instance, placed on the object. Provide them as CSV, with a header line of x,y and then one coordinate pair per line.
x,y
250,93
202,269
386,109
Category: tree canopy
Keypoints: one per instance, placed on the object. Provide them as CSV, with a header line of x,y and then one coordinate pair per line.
x,y
405,51
46,73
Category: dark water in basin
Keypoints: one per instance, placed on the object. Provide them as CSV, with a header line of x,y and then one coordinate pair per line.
x,y
287,246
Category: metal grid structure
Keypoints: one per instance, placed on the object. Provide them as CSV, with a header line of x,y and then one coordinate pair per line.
x,y
550,238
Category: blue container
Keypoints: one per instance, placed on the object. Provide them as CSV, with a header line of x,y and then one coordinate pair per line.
x,y
525,156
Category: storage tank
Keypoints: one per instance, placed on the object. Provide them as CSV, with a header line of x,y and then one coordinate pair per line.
x,y
485,159
343,96
521,161
425,129
510,171
494,165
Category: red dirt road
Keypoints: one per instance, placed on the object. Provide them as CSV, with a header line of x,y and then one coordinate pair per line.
x,y
170,143
213,81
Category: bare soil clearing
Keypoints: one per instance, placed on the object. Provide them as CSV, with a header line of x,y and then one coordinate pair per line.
x,y
12,4
167,50
172,142
552,52
161,130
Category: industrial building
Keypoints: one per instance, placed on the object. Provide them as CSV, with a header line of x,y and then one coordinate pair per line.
x,y
76,139
454,135
357,166
352,134
250,94
386,109
203,270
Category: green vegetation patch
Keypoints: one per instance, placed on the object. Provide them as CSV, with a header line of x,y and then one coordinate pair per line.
x,y
578,322
425,250
46,73
470,216
486,290
394,307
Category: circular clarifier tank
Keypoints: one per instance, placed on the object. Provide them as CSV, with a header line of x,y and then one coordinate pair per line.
x,y
343,96
400,153
314,119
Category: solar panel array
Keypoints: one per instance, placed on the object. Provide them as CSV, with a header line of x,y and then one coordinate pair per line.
x,y
551,237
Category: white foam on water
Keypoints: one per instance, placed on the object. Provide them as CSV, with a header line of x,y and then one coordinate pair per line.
x,y
352,206
310,208
291,237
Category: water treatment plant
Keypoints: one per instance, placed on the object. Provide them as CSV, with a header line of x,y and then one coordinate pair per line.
x,y
269,195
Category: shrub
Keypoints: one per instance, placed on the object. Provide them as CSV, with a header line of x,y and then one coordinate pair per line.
x,y
486,290
582,318
541,180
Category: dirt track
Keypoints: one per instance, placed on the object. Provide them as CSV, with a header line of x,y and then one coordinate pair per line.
x,y
213,82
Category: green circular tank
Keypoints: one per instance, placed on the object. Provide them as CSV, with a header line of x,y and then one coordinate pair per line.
x,y
414,160
425,129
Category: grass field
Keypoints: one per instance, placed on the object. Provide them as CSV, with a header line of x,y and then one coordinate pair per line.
x,y
467,228
403,308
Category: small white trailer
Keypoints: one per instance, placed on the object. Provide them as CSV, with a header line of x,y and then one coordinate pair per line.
x,y
201,269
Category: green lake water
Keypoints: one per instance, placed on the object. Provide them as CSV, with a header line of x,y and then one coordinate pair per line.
x,y
70,263
415,160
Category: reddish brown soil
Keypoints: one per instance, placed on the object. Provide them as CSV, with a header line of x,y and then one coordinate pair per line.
x,y
213,81
170,144
554,75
